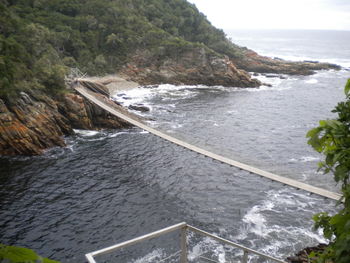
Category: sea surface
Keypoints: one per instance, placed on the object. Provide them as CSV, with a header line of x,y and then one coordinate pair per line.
x,y
110,186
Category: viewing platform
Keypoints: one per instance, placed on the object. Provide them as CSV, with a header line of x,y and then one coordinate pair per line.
x,y
239,253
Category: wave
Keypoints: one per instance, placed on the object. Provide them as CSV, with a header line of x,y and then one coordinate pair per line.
x,y
166,93
311,81
86,133
153,256
304,159
260,224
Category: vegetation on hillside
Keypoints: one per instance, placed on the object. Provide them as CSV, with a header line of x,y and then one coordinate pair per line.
x,y
332,138
41,39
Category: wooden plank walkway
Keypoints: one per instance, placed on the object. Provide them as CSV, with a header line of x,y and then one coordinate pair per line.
x,y
274,177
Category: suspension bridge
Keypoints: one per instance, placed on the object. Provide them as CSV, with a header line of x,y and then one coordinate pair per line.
x,y
93,90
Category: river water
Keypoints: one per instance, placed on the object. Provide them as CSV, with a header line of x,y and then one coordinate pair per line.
x,y
109,186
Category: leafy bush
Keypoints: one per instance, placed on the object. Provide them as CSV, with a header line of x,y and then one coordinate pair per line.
x,y
332,138
12,254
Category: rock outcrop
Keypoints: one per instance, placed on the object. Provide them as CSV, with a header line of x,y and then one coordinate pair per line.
x,y
303,256
253,62
202,66
34,122
192,67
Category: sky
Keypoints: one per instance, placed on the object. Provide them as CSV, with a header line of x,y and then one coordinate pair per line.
x,y
276,14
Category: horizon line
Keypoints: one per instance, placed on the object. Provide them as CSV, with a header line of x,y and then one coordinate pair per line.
x,y
289,29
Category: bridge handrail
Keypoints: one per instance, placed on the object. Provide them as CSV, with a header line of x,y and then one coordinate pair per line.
x,y
184,228
299,185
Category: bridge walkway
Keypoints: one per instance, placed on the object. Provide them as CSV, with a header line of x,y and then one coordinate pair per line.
x,y
287,181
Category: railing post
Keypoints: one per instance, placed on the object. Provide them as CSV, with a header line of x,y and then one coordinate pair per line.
x,y
183,237
245,257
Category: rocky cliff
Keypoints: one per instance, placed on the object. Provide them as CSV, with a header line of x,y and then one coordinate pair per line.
x,y
34,122
191,67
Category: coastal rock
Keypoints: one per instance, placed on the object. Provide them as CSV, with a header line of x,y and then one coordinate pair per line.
x,y
34,122
31,125
73,108
253,62
102,119
303,255
140,108
193,67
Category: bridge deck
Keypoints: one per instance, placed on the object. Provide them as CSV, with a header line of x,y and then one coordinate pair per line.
x,y
274,177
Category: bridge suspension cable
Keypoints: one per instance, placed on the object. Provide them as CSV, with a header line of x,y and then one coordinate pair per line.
x,y
287,181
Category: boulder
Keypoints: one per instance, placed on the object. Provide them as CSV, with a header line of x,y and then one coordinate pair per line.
x,y
139,107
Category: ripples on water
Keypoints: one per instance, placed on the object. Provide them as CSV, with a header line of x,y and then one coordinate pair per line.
x,y
263,127
110,186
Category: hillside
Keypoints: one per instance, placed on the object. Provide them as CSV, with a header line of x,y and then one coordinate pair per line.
x,y
150,42
41,39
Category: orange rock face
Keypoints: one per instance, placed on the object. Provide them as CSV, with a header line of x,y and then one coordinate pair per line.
x,y
34,122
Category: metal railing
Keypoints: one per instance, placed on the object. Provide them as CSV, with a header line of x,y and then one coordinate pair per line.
x,y
184,228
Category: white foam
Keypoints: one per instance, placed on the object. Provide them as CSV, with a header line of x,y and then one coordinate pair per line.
x,y
117,134
311,81
263,88
153,256
304,159
256,220
338,61
167,92
207,244
231,112
86,133
256,223
133,96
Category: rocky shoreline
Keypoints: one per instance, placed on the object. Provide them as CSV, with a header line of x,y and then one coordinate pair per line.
x,y
36,121
193,67
303,256
253,62
201,66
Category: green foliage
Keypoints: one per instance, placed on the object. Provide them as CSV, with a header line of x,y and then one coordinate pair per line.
x,y
40,39
332,138
12,254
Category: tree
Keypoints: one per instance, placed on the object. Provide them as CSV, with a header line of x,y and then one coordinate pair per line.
x,y
332,138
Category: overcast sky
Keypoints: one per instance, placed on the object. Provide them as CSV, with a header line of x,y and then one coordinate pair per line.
x,y
277,14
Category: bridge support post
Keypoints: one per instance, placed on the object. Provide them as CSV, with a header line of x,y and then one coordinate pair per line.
x,y
245,257
183,237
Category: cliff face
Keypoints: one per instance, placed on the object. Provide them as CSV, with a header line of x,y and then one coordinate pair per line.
x,y
35,122
192,67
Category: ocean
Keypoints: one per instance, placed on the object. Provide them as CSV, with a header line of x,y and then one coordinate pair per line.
x,y
110,186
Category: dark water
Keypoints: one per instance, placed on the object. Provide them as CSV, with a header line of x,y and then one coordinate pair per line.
x,y
110,186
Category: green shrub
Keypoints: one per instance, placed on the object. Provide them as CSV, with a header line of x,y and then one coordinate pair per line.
x,y
332,138
12,254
